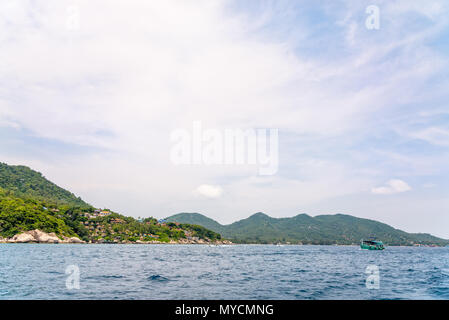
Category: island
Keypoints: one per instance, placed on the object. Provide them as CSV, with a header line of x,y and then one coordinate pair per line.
x,y
35,210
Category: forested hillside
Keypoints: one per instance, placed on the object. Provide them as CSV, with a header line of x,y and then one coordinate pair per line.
x,y
28,202
304,229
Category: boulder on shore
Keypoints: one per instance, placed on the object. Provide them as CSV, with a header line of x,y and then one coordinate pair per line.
x,y
43,237
73,240
22,238
38,236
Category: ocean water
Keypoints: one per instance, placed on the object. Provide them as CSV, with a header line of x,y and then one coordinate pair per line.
x,y
38,271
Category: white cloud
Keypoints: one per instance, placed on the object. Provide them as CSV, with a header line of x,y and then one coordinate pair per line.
x,y
393,186
136,70
145,64
209,191
433,135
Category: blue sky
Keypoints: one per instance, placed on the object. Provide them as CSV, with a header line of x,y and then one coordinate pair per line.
x,y
363,115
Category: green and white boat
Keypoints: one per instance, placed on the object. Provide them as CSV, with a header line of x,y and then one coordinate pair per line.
x,y
372,245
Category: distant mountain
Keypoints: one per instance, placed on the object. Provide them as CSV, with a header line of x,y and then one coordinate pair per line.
x,y
198,219
29,201
323,229
24,182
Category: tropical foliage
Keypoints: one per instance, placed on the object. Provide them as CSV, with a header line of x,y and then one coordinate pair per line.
x,y
27,183
23,214
28,201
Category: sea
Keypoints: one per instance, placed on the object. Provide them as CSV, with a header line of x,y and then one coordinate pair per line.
x,y
288,272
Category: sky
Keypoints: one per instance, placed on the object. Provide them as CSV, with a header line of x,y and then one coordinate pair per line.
x,y
91,91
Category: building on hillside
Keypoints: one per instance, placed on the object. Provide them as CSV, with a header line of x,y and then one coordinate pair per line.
x,y
104,213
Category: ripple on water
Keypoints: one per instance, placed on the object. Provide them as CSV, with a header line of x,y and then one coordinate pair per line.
x,y
105,276
239,272
157,278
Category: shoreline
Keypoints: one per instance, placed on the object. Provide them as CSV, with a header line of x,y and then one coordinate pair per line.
x,y
211,244
40,237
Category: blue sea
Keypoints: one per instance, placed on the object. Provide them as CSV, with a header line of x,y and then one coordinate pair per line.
x,y
38,271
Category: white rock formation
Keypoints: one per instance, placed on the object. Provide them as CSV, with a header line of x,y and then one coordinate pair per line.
x,y
22,238
43,237
40,237
73,240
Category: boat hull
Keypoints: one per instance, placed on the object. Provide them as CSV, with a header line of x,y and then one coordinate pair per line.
x,y
371,247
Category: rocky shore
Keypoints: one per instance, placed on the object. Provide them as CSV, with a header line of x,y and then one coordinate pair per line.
x,y
188,241
180,241
37,236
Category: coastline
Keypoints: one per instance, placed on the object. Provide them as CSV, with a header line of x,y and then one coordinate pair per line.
x,y
38,236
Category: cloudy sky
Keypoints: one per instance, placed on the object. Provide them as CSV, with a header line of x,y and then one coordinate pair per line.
x,y
90,92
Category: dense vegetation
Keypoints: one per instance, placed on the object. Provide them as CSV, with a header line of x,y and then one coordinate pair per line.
x,y
118,228
27,183
324,229
28,201
198,219
23,214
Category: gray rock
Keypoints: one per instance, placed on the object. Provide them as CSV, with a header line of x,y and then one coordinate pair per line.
x,y
40,237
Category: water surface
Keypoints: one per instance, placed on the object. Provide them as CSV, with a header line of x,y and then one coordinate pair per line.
x,y
37,271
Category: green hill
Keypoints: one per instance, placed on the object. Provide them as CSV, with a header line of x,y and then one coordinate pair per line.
x,y
27,183
24,214
28,201
197,219
323,229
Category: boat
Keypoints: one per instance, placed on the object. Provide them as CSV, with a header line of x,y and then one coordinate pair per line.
x,y
372,245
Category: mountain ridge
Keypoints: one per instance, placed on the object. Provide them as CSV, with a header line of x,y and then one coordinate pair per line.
x,y
304,229
28,201
28,183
